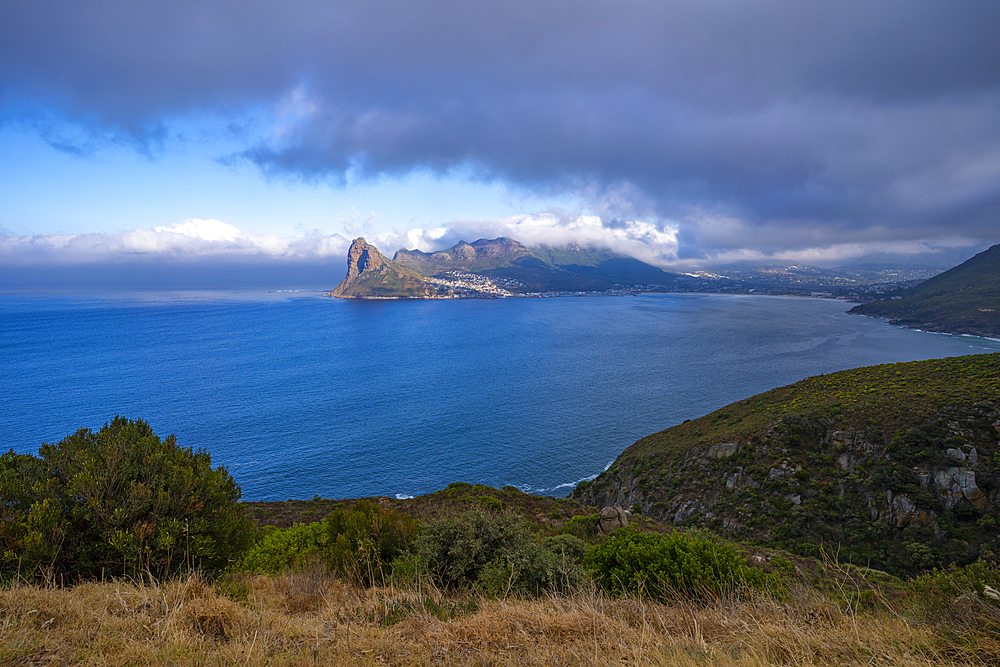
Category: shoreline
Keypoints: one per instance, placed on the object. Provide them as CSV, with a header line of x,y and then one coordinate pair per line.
x,y
574,294
927,328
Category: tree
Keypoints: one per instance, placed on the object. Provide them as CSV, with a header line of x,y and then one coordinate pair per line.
x,y
122,501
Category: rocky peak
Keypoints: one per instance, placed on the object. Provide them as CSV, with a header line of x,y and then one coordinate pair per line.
x,y
370,275
363,257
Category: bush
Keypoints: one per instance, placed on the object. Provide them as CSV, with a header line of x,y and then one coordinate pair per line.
x,y
495,554
362,541
582,527
662,565
119,501
955,597
280,549
19,474
359,543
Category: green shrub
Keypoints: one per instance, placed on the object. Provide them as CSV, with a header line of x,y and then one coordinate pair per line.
x,y
280,549
567,547
662,565
363,540
955,596
358,542
495,554
582,527
953,581
119,501
19,475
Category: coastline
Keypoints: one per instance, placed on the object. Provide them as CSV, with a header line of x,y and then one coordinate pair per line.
x,y
931,328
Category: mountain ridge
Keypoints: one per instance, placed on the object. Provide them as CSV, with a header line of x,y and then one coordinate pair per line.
x,y
894,466
963,300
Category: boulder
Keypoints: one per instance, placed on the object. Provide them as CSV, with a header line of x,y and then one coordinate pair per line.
x,y
723,450
612,518
740,479
956,454
958,483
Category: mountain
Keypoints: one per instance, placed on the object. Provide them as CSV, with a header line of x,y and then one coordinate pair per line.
x,y
894,466
964,300
546,268
371,275
473,257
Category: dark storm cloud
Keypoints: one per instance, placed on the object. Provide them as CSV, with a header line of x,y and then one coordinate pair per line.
x,y
798,123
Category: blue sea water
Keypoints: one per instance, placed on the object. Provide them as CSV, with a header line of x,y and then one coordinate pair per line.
x,y
297,394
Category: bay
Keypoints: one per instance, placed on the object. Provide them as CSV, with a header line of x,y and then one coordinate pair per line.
x,y
297,394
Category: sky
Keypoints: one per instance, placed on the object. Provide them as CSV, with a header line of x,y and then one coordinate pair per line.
x,y
251,133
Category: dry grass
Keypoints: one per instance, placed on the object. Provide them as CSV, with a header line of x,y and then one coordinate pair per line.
x,y
306,618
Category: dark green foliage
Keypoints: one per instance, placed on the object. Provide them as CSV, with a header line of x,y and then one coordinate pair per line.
x,y
363,540
357,542
19,474
900,479
119,501
496,554
662,566
583,527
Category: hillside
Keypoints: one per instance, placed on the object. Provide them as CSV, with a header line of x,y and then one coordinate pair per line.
x,y
546,268
475,257
894,466
962,300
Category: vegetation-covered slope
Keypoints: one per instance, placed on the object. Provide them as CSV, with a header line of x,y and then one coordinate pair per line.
x,y
570,268
894,466
965,299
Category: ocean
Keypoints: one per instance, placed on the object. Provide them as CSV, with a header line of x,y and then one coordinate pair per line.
x,y
298,395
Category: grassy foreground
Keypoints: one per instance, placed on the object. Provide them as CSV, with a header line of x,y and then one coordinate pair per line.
x,y
308,617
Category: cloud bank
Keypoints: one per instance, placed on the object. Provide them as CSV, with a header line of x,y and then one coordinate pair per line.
x,y
199,249
766,127
193,240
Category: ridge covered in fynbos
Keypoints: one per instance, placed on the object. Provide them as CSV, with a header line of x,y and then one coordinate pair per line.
x,y
894,466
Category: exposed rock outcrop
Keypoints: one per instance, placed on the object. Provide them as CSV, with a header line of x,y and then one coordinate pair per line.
x,y
723,450
363,257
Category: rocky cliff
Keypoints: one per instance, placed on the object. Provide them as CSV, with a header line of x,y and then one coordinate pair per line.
x,y
894,466
371,275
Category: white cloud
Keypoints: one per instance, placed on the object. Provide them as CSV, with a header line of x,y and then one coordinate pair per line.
x,y
207,230
191,240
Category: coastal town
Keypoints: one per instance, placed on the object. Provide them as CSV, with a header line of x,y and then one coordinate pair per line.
x,y
465,285
459,284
